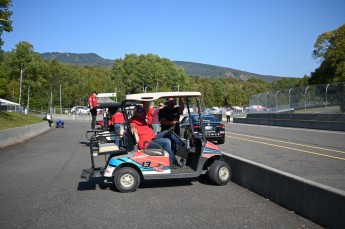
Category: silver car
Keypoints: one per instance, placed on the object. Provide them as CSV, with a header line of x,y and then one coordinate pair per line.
x,y
80,110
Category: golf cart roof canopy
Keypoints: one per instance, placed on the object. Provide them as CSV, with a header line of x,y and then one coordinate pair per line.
x,y
157,95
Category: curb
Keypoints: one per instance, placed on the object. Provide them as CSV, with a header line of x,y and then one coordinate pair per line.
x,y
15,135
320,203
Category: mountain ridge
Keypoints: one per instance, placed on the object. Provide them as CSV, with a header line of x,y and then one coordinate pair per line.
x,y
190,68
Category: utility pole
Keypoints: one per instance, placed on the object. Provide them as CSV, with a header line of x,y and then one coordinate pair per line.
x,y
20,84
60,101
51,101
28,97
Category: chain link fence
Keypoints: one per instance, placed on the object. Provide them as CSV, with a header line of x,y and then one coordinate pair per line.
x,y
322,98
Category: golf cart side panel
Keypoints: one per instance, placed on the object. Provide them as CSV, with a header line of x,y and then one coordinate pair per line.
x,y
146,164
211,150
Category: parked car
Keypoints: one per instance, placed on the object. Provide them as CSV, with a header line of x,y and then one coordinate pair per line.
x,y
80,110
214,129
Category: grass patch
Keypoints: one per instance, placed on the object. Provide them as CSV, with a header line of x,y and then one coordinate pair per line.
x,y
13,119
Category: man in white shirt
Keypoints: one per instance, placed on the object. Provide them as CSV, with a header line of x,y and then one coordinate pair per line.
x,y
228,113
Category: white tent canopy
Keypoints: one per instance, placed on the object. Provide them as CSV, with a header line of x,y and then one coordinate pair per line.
x,y
4,102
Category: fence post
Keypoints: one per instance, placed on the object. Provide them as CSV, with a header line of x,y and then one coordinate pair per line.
x,y
326,95
305,99
277,101
290,100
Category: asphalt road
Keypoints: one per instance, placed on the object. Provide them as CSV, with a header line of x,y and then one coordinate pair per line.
x,y
316,155
41,188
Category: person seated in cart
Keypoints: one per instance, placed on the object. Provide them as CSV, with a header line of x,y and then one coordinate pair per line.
x,y
118,121
145,133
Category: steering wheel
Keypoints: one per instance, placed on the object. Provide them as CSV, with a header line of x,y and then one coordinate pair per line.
x,y
170,130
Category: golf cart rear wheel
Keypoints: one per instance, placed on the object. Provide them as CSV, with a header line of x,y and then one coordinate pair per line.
x,y
127,179
219,173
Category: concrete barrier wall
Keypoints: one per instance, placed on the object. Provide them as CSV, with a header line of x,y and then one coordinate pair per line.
x,y
15,135
320,203
72,117
301,117
310,124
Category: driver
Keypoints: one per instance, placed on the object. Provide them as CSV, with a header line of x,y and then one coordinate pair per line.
x,y
170,115
138,124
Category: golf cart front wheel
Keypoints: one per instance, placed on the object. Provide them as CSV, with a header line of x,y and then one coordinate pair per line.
x,y
126,179
219,173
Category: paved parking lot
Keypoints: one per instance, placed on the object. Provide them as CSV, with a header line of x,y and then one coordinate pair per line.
x,y
42,188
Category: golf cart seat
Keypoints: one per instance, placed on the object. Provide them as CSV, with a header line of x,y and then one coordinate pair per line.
x,y
106,148
112,148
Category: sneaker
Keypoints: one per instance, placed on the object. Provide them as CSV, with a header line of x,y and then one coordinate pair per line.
x,y
182,162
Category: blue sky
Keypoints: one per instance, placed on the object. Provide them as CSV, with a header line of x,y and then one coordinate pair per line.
x,y
269,37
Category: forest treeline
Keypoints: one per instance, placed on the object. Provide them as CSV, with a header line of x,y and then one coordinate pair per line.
x,y
45,81
26,78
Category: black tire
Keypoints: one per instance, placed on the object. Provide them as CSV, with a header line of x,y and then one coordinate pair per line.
x,y
221,141
126,179
219,173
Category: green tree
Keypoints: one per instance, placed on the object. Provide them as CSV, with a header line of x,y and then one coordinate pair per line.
x,y
285,83
21,63
150,73
329,49
5,15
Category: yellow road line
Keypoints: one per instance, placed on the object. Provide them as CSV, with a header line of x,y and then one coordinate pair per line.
x,y
289,148
291,143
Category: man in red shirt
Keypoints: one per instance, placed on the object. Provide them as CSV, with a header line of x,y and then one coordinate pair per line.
x,y
117,121
93,110
145,133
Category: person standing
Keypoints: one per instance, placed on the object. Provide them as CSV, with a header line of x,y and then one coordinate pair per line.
x,y
155,119
93,110
49,119
228,113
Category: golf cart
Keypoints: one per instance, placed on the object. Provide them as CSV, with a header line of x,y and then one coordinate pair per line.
x,y
127,166
104,133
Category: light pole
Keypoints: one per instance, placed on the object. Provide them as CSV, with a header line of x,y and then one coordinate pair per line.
x,y
60,101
